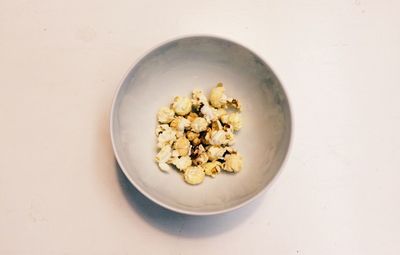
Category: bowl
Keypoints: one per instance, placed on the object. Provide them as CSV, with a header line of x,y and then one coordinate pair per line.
x,y
176,68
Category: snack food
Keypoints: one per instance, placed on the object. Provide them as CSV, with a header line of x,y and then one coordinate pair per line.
x,y
196,134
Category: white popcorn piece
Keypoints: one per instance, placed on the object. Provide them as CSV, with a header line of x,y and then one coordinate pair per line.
x,y
215,152
201,159
199,124
218,113
212,168
167,137
182,163
217,97
200,102
233,163
208,112
198,98
163,156
194,175
182,105
164,166
217,137
165,115
233,119
230,150
161,127
182,145
180,124
175,154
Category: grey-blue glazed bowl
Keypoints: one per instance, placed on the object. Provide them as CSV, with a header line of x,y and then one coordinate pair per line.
x,y
176,68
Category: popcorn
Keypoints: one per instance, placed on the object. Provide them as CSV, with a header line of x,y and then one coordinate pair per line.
x,y
198,99
195,135
208,112
229,150
219,100
233,119
229,137
182,163
233,163
217,97
180,124
217,137
191,116
192,135
218,113
199,124
212,168
161,128
174,154
201,159
215,152
165,115
216,125
166,137
182,105
182,145
196,141
163,156
194,175
235,103
197,150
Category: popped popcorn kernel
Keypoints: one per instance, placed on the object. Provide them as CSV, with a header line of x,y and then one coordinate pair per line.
x,y
182,163
182,105
217,97
163,156
233,163
212,168
199,124
194,175
179,124
233,119
165,115
182,145
215,152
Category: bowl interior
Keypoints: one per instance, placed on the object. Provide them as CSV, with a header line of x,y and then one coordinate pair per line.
x,y
176,68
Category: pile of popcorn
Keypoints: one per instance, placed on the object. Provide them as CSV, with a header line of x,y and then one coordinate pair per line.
x,y
196,134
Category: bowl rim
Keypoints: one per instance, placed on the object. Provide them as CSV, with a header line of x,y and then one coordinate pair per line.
x,y
160,203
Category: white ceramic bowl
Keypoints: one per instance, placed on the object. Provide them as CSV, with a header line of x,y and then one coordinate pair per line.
x,y
176,68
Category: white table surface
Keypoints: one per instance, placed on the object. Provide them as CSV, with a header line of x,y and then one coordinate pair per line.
x,y
62,193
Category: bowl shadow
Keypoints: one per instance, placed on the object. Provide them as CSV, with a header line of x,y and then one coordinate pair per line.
x,y
183,225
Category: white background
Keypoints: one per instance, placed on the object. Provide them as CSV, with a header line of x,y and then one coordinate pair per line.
x,y
60,189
